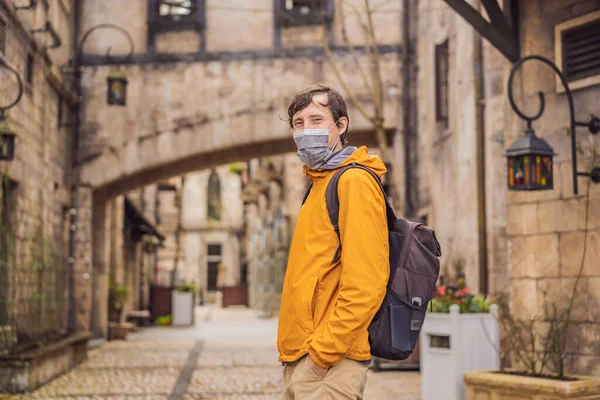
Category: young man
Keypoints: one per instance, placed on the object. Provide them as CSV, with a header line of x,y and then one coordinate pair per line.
x,y
328,302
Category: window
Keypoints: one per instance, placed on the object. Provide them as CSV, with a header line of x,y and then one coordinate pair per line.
x,y
577,51
214,260
174,15
176,9
305,12
2,36
29,70
214,197
441,83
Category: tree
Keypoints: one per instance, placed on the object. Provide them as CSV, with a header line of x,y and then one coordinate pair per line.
x,y
371,76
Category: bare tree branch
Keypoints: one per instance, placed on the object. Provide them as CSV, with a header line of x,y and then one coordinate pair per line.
x,y
376,62
338,74
353,51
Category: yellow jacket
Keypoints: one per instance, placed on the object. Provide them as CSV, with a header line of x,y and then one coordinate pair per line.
x,y
327,306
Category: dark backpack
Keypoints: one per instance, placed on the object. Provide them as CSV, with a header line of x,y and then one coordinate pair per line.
x,y
414,271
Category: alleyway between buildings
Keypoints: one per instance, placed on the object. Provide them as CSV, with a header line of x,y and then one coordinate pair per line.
x,y
228,354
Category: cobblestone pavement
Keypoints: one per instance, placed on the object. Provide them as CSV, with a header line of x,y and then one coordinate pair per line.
x,y
229,354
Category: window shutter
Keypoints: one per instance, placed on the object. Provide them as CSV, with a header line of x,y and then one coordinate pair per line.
x,y
2,36
581,51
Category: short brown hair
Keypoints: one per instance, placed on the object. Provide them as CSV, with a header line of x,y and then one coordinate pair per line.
x,y
335,103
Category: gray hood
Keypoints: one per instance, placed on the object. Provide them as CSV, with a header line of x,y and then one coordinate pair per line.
x,y
338,158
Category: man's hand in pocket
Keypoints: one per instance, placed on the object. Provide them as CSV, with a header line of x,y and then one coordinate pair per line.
x,y
320,372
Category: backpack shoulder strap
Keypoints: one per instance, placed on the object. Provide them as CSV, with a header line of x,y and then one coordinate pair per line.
x,y
333,201
306,194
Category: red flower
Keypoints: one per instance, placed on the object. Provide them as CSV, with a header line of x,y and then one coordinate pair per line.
x,y
441,290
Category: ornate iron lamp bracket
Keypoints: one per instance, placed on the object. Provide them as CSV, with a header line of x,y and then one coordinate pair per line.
x,y
123,31
3,109
593,125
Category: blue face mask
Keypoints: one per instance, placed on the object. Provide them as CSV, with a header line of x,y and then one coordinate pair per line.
x,y
312,144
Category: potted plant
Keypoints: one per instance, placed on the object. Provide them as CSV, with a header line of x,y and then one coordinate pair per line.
x,y
460,334
537,347
118,296
183,304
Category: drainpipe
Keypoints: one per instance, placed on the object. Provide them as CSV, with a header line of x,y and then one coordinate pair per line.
x,y
480,156
407,109
74,168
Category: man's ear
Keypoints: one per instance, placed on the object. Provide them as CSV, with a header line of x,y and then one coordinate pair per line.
x,y
343,125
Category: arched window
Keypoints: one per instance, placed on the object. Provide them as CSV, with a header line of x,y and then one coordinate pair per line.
x,y
214,197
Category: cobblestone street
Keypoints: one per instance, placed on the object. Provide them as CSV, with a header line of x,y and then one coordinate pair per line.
x,y
229,354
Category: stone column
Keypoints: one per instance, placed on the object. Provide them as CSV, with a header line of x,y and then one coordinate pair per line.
x,y
101,258
81,297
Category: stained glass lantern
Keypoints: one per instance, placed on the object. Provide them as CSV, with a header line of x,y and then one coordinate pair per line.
x,y
117,88
529,164
7,140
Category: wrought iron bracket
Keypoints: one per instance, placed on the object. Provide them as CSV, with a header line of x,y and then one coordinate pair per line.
x,y
593,125
123,31
4,65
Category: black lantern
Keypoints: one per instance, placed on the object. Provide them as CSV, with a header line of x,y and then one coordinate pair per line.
x,y
117,88
530,163
7,140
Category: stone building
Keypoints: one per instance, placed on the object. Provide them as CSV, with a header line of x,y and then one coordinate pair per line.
x,y
212,222
35,41
235,226
38,231
527,245
208,85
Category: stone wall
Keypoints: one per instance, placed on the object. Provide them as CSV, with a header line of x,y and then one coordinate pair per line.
x,y
447,160
40,174
547,229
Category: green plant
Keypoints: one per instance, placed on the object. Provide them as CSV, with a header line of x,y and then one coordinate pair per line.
x,y
186,287
237,168
164,320
119,294
461,295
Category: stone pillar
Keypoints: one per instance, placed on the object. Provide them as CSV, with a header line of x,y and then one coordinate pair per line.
x,y
101,258
117,260
81,300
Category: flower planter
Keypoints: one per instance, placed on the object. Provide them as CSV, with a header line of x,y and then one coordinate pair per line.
x,y
27,371
182,310
455,343
495,385
119,330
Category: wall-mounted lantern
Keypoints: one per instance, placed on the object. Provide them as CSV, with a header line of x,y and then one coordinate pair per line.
x,y
7,136
116,81
530,163
530,158
116,93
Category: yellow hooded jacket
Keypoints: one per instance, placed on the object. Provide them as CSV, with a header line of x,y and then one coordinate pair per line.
x,y
327,306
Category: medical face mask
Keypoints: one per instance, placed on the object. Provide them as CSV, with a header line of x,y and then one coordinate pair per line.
x,y
312,144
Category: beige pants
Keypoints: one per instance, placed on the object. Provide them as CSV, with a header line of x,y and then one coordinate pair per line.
x,y
344,381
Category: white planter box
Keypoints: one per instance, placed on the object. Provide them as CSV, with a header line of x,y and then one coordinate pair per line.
x,y
455,343
182,308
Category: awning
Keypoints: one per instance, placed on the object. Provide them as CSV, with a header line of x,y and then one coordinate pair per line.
x,y
139,222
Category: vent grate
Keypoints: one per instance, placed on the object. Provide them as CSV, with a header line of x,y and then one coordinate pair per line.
x,y
29,72
2,36
581,51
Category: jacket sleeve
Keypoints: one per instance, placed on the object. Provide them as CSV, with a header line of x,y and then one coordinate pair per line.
x,y
365,267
